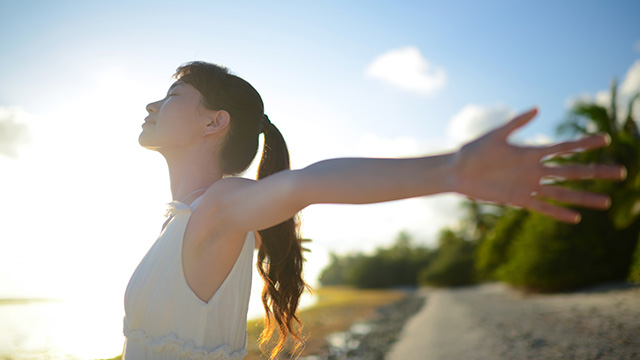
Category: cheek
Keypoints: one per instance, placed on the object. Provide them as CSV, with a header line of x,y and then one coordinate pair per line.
x,y
177,124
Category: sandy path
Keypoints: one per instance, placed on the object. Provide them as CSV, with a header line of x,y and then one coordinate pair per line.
x,y
493,322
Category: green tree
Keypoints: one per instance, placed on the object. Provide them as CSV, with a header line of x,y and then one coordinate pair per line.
x,y
396,265
453,262
493,251
334,273
549,256
634,273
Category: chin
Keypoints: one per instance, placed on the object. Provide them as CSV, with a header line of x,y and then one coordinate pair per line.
x,y
144,142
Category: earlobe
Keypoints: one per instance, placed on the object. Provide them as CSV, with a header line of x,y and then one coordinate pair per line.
x,y
218,121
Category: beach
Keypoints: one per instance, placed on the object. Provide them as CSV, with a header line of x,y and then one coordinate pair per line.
x,y
493,321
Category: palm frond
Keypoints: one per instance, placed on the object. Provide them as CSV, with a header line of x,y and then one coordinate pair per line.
x,y
613,106
630,126
597,114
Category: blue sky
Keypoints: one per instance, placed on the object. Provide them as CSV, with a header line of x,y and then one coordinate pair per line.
x,y
77,75
517,53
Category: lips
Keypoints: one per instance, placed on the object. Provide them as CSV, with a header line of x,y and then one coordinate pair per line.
x,y
148,122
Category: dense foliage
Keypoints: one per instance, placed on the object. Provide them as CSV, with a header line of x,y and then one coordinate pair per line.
x,y
452,264
548,255
493,250
397,265
634,272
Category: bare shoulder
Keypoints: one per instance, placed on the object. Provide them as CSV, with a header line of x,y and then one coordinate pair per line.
x,y
208,218
226,184
222,191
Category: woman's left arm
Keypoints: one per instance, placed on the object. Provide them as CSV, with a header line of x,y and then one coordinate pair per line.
x,y
488,168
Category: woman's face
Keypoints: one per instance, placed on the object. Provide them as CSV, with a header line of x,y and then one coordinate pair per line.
x,y
177,121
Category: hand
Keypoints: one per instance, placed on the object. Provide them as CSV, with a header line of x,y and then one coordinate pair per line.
x,y
491,169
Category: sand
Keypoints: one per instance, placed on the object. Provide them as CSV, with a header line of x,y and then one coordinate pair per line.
x,y
492,321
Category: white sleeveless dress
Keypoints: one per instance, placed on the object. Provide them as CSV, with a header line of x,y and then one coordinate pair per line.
x,y
164,319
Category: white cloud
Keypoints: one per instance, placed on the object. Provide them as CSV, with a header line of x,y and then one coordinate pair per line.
x,y
636,46
539,139
629,86
407,69
603,98
576,99
631,83
474,120
13,130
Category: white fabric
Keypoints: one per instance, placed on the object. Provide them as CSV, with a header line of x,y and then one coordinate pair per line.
x,y
164,319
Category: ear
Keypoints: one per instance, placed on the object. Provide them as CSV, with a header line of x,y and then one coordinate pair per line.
x,y
218,120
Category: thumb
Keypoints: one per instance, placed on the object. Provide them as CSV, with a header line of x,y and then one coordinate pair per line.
x,y
517,122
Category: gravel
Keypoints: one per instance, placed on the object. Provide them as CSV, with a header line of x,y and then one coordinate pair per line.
x,y
372,339
492,321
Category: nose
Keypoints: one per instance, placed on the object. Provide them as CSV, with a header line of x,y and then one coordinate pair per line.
x,y
152,107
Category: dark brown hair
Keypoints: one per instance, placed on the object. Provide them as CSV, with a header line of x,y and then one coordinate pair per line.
x,y
280,257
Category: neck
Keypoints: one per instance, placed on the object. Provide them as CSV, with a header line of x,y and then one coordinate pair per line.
x,y
189,172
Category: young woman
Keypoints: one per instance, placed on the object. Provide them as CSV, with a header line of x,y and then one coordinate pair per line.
x,y
188,298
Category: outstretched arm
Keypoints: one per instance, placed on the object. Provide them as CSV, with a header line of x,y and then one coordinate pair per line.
x,y
488,168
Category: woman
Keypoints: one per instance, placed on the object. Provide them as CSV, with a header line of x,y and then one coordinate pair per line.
x,y
188,298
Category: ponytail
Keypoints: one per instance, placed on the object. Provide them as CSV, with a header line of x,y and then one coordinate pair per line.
x,y
280,257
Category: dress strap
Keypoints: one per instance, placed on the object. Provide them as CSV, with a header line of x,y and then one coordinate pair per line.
x,y
186,197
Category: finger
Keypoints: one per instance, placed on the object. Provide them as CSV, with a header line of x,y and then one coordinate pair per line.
x,y
573,197
587,143
573,172
517,122
557,212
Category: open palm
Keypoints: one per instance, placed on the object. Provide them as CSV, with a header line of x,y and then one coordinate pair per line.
x,y
491,169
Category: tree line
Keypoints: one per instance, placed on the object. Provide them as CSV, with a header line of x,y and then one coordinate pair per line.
x,y
522,248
